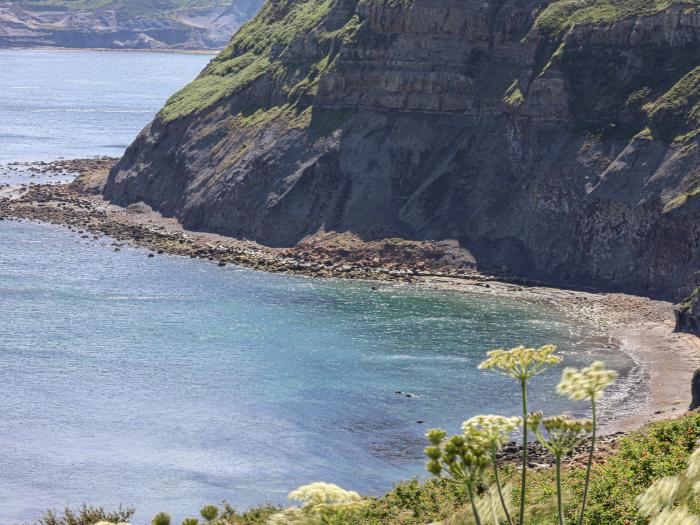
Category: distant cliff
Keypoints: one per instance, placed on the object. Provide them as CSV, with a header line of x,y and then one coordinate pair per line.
x,y
555,140
123,24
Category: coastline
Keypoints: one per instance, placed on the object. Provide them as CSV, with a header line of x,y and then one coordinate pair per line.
x,y
641,327
212,52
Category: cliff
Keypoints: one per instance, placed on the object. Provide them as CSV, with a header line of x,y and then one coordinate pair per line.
x,y
557,141
123,24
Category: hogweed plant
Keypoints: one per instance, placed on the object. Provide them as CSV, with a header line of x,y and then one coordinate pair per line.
x,y
664,501
496,430
322,504
562,434
462,458
522,364
587,384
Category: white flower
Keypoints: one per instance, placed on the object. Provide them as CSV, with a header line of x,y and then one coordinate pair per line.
x,y
520,362
677,516
289,516
320,493
662,494
588,383
564,433
494,429
693,471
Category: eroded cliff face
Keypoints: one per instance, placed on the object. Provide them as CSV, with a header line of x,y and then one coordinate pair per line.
x,y
551,143
123,24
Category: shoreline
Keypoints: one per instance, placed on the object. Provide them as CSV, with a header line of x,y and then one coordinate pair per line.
x,y
212,52
642,328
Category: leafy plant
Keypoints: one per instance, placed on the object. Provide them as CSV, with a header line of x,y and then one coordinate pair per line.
x,y
161,519
209,512
522,364
87,515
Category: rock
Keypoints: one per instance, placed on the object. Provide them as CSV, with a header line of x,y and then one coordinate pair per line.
x,y
695,390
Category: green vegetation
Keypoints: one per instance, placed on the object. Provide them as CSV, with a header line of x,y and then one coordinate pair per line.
x,y
513,96
612,94
161,519
679,108
560,16
252,53
86,515
691,300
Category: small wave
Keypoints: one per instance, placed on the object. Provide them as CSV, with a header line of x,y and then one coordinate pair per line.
x,y
135,298
425,357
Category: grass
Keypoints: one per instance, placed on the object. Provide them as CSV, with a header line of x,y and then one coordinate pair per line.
x,y
679,108
514,97
559,16
253,52
692,299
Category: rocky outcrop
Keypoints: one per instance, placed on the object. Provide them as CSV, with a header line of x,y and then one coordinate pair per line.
x,y
695,391
549,143
123,24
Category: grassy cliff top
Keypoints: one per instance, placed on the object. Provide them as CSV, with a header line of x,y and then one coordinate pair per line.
x,y
255,49
249,55
563,14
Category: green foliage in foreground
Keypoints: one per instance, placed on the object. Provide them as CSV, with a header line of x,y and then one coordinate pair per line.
x,y
86,515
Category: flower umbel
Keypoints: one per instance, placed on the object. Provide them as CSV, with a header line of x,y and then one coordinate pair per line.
x,y
520,362
588,383
322,503
563,432
677,516
320,493
494,429
662,494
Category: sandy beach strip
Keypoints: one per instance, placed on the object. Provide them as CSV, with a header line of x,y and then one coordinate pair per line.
x,y
643,328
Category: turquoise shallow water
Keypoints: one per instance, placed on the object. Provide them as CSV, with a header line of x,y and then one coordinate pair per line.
x,y
167,383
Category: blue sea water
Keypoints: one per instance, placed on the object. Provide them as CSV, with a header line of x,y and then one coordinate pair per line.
x,y
167,383
76,104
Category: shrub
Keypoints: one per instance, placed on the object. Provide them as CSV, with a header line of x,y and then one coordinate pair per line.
x,y
86,515
209,512
161,519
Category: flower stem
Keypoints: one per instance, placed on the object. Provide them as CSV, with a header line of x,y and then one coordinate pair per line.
x,y
588,468
523,472
560,503
498,485
474,509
